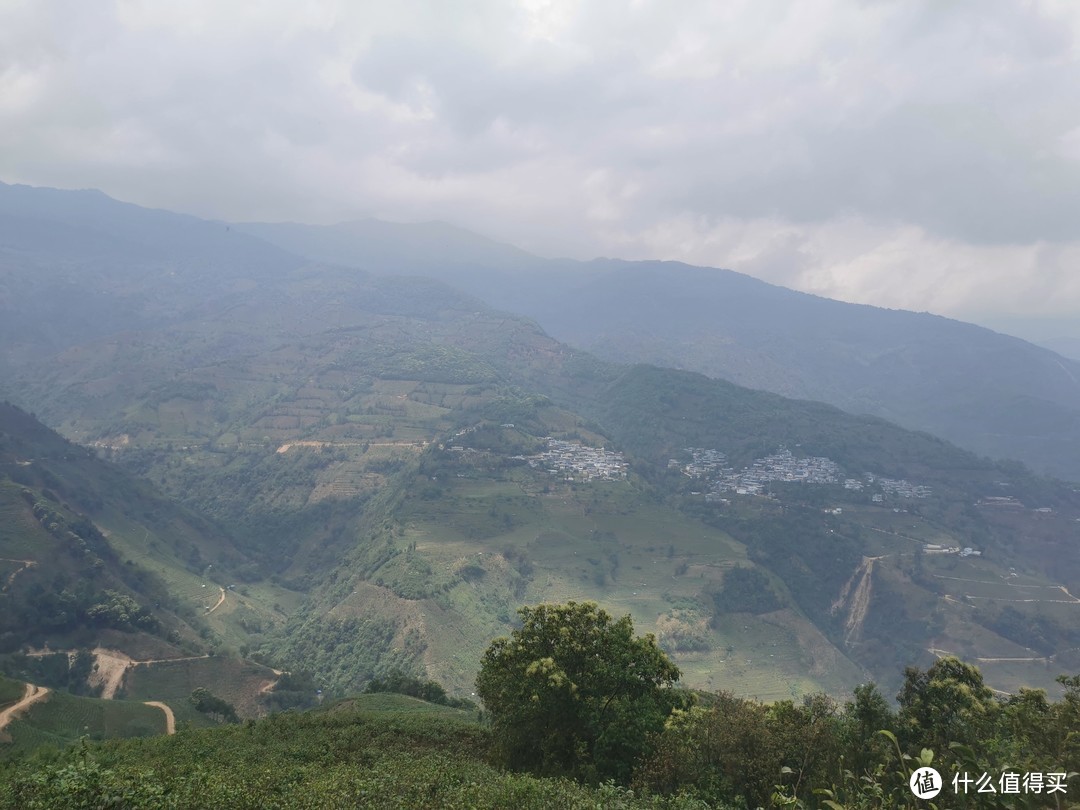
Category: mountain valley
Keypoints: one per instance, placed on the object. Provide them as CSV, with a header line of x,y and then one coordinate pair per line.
x,y
284,465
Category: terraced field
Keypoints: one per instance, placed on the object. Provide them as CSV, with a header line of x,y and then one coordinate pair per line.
x,y
10,692
235,681
62,718
607,542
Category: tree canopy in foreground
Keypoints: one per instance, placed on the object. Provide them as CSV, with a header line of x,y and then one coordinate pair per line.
x,y
575,692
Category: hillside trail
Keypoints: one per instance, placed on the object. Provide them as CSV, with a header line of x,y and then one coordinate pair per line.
x,y
110,667
1065,591
25,564
31,695
170,718
936,651
220,602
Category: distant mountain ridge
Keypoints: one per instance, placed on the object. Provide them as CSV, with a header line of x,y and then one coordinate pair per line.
x,y
992,393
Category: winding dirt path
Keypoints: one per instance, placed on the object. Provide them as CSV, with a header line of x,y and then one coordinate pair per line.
x,y
943,653
111,666
168,660
31,695
25,564
220,602
170,718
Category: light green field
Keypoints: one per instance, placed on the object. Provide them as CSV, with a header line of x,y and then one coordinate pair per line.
x,y
10,691
62,718
237,682
270,603
606,542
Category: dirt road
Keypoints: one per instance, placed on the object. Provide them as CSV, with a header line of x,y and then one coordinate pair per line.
x,y
220,602
170,718
31,695
25,564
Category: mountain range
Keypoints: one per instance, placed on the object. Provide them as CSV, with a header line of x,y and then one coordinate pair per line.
x,y
373,468
991,393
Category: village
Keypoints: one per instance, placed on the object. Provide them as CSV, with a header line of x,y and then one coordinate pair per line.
x,y
783,465
780,466
574,461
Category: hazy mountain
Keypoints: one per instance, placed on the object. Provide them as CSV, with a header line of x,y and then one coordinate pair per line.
x,y
429,249
366,441
989,392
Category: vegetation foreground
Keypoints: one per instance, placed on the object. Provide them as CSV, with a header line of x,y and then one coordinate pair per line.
x,y
581,713
336,758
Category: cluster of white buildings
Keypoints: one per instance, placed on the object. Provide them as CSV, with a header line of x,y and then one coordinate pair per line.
x,y
575,461
966,551
705,463
780,466
783,465
899,487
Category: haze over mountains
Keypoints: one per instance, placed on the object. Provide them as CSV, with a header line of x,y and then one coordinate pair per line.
x,y
391,464
992,393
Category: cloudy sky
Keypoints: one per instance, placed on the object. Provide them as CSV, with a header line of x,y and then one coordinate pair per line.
x,y
923,155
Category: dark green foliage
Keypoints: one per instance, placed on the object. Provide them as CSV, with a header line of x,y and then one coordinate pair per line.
x,y
293,690
811,561
121,612
573,692
1041,633
737,748
262,497
746,590
429,363
327,759
724,752
347,653
946,703
816,755
209,704
10,691
401,683
865,716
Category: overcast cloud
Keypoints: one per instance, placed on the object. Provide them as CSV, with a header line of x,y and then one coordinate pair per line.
x,y
923,155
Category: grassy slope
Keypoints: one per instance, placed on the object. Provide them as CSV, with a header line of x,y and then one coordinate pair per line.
x,y
61,719
238,682
613,543
334,758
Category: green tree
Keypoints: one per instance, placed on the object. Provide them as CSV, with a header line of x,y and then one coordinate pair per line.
x,y
575,693
867,714
945,704
207,703
732,749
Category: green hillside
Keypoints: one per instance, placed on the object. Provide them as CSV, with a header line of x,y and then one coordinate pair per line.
x,y
60,719
334,758
320,452
334,477
720,751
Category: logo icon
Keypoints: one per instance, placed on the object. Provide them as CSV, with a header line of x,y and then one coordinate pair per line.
x,y
925,783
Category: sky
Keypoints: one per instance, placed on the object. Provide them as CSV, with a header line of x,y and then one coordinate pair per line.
x,y
917,155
